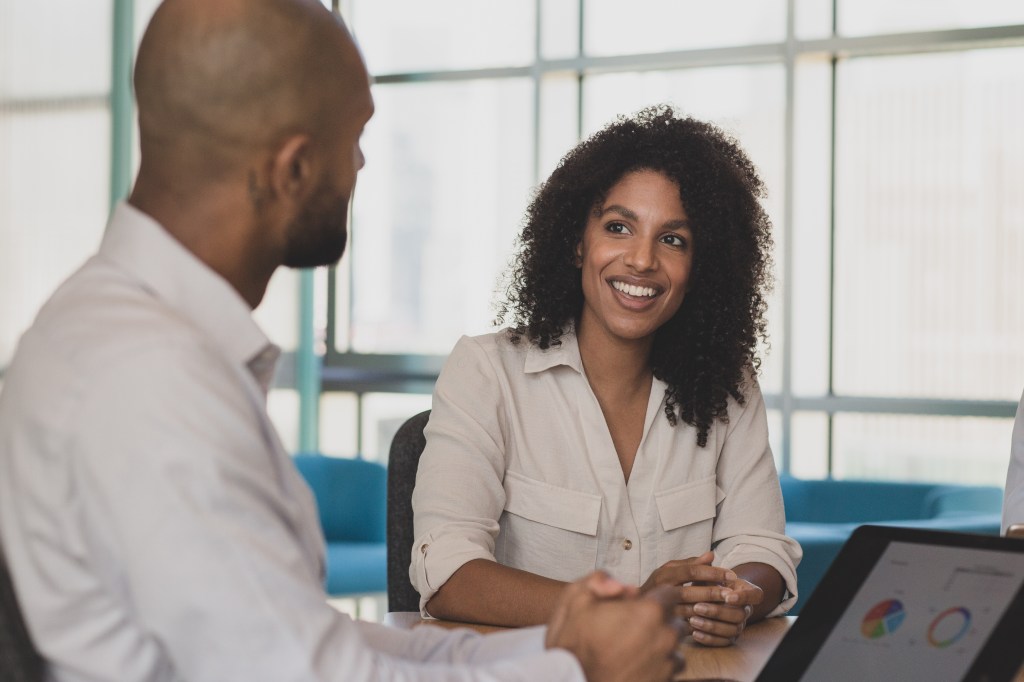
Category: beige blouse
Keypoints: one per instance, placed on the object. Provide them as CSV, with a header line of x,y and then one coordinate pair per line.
x,y
520,468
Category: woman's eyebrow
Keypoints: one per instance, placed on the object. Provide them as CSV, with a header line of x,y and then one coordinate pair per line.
x,y
621,210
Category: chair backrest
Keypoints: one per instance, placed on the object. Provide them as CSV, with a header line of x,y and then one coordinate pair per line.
x,y
403,461
19,660
349,496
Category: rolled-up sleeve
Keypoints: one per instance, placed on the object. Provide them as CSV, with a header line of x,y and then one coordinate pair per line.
x,y
459,495
751,522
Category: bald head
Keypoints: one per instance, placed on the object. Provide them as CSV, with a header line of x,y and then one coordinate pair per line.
x,y
219,79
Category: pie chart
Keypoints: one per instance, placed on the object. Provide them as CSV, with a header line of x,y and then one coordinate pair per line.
x,y
949,626
884,618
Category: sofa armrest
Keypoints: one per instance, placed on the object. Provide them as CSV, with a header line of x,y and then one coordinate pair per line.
x,y
983,524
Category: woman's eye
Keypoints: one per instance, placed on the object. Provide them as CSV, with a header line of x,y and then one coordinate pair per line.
x,y
617,228
674,240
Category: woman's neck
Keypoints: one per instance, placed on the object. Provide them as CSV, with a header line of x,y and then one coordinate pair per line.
x,y
611,362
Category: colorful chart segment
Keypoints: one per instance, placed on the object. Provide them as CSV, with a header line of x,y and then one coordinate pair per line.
x,y
949,626
884,618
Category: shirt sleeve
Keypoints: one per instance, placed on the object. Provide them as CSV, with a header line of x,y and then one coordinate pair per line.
x,y
189,504
1013,500
751,523
430,643
459,496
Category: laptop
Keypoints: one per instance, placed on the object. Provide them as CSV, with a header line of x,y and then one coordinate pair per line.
x,y
908,604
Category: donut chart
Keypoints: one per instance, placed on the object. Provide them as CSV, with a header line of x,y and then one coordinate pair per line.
x,y
949,627
884,618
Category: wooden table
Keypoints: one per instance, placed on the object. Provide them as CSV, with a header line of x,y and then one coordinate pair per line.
x,y
741,662
738,663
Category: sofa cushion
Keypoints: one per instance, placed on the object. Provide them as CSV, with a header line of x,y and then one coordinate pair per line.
x,y
356,567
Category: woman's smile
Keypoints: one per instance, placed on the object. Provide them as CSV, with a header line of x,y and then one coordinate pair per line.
x,y
636,256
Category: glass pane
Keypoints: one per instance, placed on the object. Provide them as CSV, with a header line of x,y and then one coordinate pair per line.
x,y
612,27
859,17
896,447
560,28
809,445
342,303
559,120
278,313
339,427
437,210
813,19
930,225
748,102
383,415
55,48
811,231
54,182
444,34
283,408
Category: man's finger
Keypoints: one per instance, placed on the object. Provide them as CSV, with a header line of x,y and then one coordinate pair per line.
x,y
600,584
667,596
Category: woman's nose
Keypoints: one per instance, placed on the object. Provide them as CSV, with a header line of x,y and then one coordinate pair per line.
x,y
640,255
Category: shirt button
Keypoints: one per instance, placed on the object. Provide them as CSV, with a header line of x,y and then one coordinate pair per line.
x,y
627,544
423,548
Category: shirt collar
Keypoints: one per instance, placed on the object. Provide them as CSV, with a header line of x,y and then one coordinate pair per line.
x,y
139,245
566,353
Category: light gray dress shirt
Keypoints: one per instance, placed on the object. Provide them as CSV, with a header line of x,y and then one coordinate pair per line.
x,y
1013,500
155,528
520,468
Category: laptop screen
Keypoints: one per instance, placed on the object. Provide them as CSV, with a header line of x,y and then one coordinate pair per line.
x,y
910,604
924,612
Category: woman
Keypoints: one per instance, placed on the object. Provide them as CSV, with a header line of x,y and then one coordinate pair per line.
x,y
617,424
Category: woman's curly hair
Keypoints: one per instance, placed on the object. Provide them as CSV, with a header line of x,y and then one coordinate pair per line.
x,y
704,351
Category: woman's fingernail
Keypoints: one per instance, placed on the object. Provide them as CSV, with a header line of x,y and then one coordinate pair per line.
x,y
698,622
729,575
702,609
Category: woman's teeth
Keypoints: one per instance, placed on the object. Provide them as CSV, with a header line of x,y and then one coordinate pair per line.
x,y
633,290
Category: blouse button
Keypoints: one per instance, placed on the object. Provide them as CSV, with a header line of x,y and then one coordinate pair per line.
x,y
627,544
423,548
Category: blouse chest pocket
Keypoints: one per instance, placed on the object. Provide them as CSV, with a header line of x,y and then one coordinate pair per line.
x,y
548,529
687,514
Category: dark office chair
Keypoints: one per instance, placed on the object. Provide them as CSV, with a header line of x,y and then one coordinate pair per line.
x,y
19,660
403,460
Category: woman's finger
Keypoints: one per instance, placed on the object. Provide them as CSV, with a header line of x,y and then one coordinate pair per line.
x,y
722,612
708,639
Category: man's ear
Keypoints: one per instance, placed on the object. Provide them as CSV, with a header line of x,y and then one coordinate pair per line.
x,y
291,174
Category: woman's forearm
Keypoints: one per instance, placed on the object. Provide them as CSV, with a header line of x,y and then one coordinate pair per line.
x,y
770,582
483,591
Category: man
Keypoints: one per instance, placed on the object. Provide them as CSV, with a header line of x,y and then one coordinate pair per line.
x,y
1013,500
154,527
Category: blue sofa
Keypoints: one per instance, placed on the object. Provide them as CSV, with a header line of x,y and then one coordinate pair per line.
x,y
351,496
821,514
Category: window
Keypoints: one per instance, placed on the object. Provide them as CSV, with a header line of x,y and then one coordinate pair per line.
x,y
887,133
889,139
61,143
55,79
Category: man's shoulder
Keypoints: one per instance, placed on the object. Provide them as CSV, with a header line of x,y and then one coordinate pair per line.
x,y
100,319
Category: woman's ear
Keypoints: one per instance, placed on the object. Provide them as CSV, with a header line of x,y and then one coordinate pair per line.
x,y
578,259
